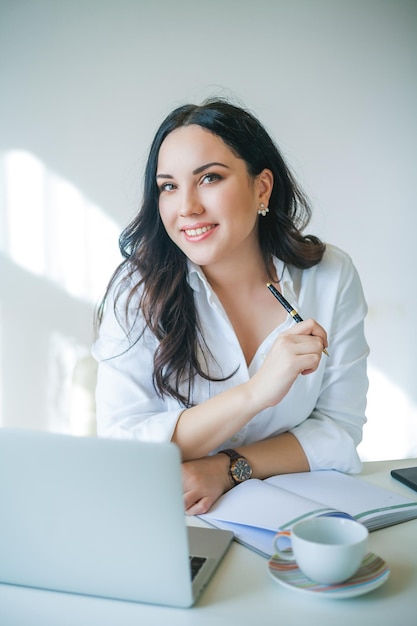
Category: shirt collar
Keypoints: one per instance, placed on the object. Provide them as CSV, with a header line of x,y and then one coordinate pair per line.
x,y
288,278
196,277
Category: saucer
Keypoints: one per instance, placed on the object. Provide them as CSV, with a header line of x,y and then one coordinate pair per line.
x,y
372,573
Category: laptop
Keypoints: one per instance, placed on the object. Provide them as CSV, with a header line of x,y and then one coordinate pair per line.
x,y
101,517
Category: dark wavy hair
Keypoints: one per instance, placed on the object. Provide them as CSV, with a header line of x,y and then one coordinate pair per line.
x,y
159,268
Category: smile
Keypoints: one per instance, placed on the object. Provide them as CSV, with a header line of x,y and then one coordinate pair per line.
x,y
196,232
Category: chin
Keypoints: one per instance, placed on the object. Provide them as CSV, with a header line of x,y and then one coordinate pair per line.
x,y
201,258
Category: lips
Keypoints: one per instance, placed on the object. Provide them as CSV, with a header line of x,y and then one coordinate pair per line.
x,y
197,231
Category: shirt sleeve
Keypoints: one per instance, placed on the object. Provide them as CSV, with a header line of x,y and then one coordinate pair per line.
x,y
331,434
127,405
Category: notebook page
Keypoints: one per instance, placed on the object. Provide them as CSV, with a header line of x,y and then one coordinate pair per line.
x,y
262,505
339,491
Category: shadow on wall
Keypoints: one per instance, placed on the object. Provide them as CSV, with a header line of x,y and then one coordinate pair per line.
x,y
57,251
44,332
49,228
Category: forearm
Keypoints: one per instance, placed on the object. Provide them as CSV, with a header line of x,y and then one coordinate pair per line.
x,y
206,479
204,427
282,454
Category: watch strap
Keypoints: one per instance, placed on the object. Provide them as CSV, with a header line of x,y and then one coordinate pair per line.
x,y
232,454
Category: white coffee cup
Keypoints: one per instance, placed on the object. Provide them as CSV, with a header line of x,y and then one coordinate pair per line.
x,y
328,550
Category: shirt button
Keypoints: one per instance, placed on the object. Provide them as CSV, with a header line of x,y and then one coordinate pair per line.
x,y
234,439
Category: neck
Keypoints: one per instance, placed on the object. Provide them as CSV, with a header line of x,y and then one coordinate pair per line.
x,y
248,273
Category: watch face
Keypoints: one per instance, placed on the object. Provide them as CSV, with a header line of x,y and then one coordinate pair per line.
x,y
241,470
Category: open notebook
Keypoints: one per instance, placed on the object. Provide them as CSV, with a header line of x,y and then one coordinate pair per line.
x,y
100,517
256,509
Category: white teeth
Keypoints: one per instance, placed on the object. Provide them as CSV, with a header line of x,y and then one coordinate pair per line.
x,y
193,232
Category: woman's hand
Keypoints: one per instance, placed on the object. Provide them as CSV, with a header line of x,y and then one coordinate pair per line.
x,y
296,351
205,480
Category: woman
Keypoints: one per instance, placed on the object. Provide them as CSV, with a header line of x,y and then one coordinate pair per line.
x,y
193,348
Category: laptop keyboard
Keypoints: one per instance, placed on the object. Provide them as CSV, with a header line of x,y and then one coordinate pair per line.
x,y
196,563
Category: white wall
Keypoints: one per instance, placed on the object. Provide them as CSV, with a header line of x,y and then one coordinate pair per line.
x,y
84,85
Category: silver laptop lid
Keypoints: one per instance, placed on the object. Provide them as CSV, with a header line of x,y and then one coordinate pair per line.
x,y
91,516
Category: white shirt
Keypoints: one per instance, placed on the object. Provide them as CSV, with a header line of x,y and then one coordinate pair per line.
x,y
324,410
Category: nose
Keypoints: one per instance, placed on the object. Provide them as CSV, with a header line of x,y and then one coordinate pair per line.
x,y
190,204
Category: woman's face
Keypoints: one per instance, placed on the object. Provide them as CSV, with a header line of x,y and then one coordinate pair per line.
x,y
207,200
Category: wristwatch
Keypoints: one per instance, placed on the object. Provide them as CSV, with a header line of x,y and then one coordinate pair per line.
x,y
240,469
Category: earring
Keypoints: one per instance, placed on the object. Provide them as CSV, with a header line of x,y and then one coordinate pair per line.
x,y
263,210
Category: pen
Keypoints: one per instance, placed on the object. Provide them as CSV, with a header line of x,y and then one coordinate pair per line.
x,y
287,306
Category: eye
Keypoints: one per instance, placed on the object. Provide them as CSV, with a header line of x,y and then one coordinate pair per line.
x,y
166,187
210,178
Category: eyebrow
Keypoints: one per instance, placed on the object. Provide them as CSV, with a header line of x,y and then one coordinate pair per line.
x,y
198,170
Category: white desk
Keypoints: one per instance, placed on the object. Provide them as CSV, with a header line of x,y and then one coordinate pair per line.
x,y
242,591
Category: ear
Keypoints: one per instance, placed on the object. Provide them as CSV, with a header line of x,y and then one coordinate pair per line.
x,y
265,184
